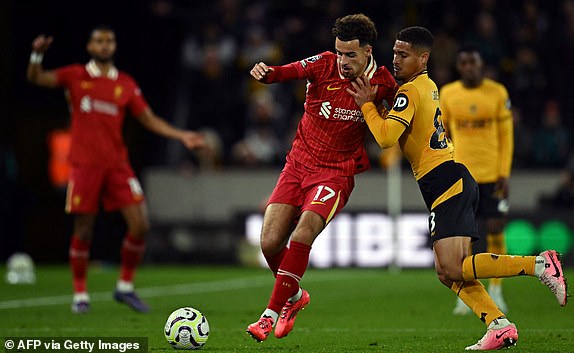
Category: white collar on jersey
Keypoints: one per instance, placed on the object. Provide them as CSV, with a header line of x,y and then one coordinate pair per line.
x,y
369,70
95,71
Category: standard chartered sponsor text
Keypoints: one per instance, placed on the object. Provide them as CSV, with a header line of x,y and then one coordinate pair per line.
x,y
348,114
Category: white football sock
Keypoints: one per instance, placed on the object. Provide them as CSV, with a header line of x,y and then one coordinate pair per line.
x,y
297,296
124,286
539,265
81,297
271,314
499,323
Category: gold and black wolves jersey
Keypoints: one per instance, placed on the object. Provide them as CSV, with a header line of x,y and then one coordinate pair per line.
x,y
479,122
415,120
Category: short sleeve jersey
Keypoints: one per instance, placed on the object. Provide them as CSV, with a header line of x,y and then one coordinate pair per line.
x,y
424,142
330,136
98,105
473,118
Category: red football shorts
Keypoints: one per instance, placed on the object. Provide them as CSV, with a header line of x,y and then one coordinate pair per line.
x,y
115,187
320,192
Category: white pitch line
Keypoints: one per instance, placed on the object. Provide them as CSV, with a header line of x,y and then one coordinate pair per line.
x,y
179,289
150,292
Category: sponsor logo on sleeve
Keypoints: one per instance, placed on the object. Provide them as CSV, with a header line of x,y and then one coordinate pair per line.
x,y
401,102
314,58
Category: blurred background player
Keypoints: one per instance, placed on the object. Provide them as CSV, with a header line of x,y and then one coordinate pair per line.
x,y
318,177
448,189
478,119
99,95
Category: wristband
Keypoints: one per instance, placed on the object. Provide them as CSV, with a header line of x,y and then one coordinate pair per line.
x,y
36,58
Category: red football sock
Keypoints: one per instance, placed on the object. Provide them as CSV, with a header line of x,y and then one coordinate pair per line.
x,y
274,261
131,254
79,254
289,274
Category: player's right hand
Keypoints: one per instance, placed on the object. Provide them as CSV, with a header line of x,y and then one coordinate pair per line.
x,y
260,70
41,43
193,140
363,91
501,188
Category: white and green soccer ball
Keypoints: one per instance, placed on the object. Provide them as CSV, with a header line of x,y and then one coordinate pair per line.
x,y
186,328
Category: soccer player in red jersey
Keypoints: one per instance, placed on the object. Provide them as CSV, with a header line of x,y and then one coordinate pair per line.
x,y
327,151
99,95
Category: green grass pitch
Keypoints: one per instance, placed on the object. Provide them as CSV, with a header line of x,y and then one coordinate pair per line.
x,y
351,310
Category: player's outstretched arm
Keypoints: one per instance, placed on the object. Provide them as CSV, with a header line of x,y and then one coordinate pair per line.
x,y
271,74
154,123
35,72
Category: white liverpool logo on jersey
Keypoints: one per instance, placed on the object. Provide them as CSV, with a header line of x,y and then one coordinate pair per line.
x,y
87,105
325,109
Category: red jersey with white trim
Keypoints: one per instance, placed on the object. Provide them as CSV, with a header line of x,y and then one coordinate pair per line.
x,y
330,136
98,104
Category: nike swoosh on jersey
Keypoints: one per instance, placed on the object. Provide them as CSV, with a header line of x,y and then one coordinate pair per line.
x,y
329,88
317,203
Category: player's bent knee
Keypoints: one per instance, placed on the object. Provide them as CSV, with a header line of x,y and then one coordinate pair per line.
x,y
270,247
444,280
140,230
452,273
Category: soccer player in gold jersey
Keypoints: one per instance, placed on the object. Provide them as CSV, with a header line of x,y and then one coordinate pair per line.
x,y
476,112
448,189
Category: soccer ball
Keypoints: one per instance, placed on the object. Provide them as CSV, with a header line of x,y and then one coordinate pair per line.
x,y
186,328
20,269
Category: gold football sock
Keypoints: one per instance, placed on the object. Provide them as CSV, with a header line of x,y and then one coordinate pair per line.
x,y
487,265
473,294
495,244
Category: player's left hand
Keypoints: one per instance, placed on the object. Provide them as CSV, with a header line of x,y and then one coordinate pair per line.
x,y
192,140
363,91
501,188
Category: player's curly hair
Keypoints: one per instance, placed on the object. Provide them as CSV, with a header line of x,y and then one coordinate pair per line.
x,y
357,26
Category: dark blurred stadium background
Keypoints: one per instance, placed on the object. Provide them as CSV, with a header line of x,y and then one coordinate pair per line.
x,y
192,60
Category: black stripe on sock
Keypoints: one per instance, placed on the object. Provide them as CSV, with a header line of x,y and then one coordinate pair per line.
x,y
461,287
474,267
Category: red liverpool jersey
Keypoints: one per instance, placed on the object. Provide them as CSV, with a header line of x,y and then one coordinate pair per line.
x,y
330,136
98,104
